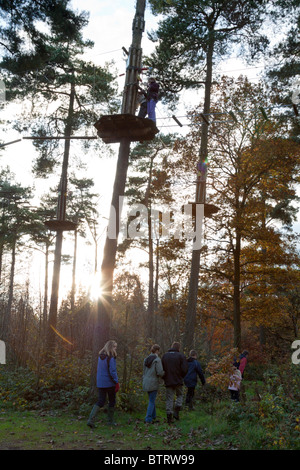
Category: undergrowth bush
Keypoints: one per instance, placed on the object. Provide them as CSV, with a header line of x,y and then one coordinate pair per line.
x,y
276,411
17,387
279,408
65,385
270,412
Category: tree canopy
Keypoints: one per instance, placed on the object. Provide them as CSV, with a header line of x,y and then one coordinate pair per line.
x,y
189,28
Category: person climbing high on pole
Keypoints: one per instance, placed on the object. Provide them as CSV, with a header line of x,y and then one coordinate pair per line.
x,y
152,98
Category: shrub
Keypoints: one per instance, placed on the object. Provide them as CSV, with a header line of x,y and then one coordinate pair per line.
x,y
221,369
65,385
278,410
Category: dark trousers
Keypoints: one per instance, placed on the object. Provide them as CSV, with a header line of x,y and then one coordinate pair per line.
x,y
189,395
143,110
235,395
110,393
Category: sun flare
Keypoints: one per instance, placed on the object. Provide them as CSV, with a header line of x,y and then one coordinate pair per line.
x,y
95,291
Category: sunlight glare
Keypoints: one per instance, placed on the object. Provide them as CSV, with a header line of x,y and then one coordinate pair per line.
x,y
95,289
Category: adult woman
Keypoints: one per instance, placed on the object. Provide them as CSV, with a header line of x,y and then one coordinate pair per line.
x,y
243,362
107,382
153,370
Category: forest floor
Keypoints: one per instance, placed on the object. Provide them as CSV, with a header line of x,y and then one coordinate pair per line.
x,y
60,430
266,418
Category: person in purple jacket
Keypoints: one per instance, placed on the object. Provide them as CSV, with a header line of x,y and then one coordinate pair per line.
x,y
151,97
107,382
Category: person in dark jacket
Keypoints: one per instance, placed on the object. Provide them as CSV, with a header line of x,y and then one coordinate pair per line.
x,y
107,382
175,366
190,379
151,96
152,372
142,103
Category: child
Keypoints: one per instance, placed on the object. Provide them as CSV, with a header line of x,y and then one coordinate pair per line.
x,y
235,384
190,379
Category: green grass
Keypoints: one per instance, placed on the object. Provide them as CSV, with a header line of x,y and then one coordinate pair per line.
x,y
55,417
59,430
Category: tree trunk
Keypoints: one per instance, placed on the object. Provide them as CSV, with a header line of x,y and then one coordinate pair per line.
x,y
7,321
156,286
104,305
61,213
102,326
190,322
45,303
150,309
1,257
125,350
73,288
52,320
236,294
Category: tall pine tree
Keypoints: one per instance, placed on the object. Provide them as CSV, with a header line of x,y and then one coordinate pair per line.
x,y
191,37
51,71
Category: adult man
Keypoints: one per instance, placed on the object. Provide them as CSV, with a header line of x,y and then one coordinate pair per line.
x,y
175,366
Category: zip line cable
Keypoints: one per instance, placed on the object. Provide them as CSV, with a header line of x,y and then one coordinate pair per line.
x,y
165,125
165,118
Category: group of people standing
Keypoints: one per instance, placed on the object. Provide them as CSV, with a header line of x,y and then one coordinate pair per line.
x,y
173,368
176,371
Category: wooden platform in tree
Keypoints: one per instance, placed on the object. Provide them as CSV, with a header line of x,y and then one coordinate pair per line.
x,y
113,128
209,209
64,225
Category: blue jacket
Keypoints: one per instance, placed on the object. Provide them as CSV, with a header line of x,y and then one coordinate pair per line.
x,y
106,378
194,370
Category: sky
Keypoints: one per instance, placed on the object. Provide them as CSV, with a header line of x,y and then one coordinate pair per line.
x,y
110,27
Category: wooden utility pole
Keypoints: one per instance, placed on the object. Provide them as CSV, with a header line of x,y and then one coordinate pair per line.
x,y
102,326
